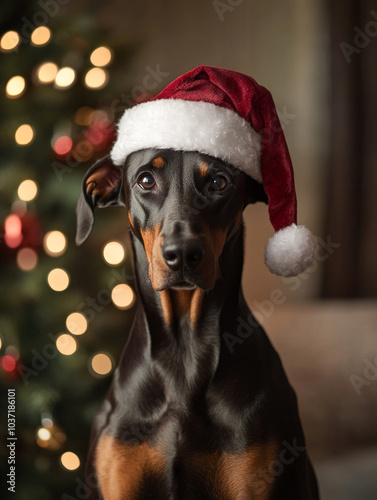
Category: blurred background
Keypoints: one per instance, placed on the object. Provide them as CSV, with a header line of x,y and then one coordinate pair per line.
x,y
68,71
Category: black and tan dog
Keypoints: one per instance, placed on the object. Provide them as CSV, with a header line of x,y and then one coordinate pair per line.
x,y
200,406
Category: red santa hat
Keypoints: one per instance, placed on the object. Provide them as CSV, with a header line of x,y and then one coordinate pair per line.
x,y
227,115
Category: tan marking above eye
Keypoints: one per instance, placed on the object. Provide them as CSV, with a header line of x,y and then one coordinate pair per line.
x,y
158,162
203,169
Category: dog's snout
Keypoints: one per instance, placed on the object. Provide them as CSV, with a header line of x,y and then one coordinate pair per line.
x,y
179,253
193,253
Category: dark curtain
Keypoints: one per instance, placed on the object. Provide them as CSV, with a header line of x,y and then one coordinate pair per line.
x,y
351,214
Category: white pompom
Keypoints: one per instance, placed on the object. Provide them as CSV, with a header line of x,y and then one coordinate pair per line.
x,y
290,251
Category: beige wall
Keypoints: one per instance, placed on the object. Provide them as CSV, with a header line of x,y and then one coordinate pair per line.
x,y
283,45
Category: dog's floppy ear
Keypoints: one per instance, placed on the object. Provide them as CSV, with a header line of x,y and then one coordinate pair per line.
x,y
255,192
102,187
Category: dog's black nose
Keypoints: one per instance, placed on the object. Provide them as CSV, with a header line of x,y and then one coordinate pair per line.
x,y
188,253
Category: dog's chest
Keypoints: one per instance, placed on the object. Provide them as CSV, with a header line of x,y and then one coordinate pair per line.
x,y
179,464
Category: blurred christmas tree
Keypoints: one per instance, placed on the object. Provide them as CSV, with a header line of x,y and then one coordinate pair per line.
x,y
65,312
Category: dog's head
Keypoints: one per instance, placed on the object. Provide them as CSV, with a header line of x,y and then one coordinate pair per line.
x,y
182,207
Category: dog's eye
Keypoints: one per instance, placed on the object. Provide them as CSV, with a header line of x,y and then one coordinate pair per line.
x,y
146,181
219,183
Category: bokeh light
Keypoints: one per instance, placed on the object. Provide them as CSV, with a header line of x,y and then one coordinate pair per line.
x,y
27,190
76,323
66,344
43,434
9,41
50,435
96,78
24,135
8,363
101,56
83,115
13,231
47,72
40,35
62,145
58,279
122,296
101,364
114,253
27,259
65,77
15,86
70,460
54,243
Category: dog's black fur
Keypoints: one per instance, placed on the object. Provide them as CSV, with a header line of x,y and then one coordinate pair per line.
x,y
200,406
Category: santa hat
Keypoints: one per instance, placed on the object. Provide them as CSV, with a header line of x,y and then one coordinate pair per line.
x,y
227,115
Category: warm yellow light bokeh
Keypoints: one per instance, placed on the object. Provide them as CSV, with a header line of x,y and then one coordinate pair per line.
x,y
123,296
96,78
101,364
47,72
66,344
76,323
101,56
40,35
15,86
113,253
9,41
43,434
65,77
27,190
70,460
24,134
58,279
54,243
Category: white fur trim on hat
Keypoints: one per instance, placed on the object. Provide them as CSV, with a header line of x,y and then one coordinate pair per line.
x,y
290,251
189,126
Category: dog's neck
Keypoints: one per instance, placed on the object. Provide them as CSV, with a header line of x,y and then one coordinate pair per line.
x,y
182,332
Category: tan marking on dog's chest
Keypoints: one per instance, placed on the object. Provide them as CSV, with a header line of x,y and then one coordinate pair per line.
x,y
242,476
120,467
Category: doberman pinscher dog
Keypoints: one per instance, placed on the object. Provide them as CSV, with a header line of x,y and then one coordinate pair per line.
x,y
200,406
